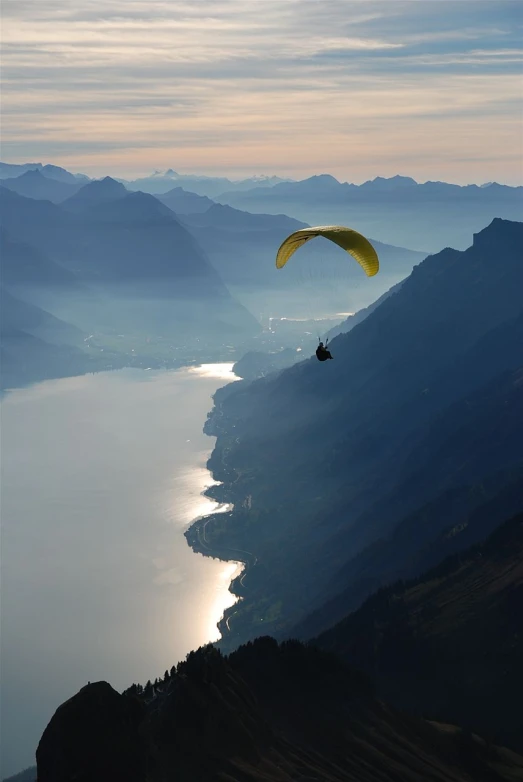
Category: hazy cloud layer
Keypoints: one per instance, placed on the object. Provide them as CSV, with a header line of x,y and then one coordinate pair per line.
x,y
430,88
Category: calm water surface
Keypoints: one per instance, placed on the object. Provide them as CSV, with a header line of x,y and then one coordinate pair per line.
x,y
101,475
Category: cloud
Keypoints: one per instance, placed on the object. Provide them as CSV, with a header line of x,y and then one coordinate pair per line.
x,y
148,83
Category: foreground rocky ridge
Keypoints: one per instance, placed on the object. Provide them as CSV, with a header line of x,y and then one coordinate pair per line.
x,y
266,712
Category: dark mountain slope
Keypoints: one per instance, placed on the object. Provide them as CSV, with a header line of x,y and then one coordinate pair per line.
x,y
451,642
265,713
322,461
358,317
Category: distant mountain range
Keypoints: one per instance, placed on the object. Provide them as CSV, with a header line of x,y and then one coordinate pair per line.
x,y
162,182
107,237
53,172
34,184
396,211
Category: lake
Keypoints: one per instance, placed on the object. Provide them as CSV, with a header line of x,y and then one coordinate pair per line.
x,y
101,475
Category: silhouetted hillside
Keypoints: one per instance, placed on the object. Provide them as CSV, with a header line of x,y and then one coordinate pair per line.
x,y
358,317
396,211
268,712
451,642
422,404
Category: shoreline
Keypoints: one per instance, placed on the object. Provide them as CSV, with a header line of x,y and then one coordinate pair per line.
x,y
196,539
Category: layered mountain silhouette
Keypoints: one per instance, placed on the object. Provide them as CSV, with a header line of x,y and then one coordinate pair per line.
x,y
35,184
345,475
11,170
130,247
395,211
266,712
162,182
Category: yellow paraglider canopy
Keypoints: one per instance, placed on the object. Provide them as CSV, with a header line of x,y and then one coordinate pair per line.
x,y
351,241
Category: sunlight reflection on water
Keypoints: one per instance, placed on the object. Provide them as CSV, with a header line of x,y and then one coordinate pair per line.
x,y
224,598
218,371
184,504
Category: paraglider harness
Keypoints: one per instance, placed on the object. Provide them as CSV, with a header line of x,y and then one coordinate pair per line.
x,y
322,354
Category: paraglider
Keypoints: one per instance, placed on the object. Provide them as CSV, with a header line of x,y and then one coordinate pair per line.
x,y
322,353
349,240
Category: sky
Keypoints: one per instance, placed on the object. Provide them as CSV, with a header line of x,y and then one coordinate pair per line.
x,y
356,88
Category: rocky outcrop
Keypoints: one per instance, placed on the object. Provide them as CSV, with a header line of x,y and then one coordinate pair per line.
x,y
93,736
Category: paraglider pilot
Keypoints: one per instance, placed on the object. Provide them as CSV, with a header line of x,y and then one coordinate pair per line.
x,y
322,354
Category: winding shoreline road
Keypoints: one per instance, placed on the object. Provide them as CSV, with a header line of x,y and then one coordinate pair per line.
x,y
196,536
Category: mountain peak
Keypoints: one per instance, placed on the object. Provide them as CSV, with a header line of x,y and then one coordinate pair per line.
x,y
323,179
32,175
389,183
106,189
508,232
